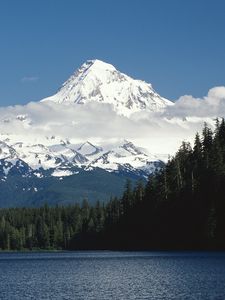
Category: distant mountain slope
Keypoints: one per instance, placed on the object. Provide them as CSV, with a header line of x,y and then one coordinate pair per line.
x,y
17,190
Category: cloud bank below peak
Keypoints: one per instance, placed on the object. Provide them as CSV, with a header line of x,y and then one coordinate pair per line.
x,y
160,132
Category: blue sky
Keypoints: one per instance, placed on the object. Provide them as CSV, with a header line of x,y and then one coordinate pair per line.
x,y
178,46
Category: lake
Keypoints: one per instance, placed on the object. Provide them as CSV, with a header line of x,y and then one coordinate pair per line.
x,y
112,275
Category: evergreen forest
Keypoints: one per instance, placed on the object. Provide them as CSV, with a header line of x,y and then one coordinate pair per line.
x,y
182,207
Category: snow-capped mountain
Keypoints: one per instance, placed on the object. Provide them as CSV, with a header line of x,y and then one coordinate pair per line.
x,y
64,173
94,81
59,159
39,163
101,82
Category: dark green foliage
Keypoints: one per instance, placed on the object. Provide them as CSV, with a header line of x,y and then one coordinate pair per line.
x,y
48,227
181,207
184,204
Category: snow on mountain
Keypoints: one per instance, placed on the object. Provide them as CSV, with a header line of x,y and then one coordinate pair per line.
x,y
100,82
126,155
43,153
89,149
7,152
61,158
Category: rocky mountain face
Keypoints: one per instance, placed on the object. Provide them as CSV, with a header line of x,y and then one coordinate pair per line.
x,y
31,173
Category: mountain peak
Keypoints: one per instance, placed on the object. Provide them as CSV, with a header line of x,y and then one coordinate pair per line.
x,y
97,81
98,64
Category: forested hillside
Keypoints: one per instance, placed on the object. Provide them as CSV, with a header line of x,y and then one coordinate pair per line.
x,y
181,207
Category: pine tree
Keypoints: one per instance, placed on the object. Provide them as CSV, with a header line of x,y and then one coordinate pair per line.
x,y
127,198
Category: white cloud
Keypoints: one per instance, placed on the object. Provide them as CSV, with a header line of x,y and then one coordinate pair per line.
x,y
217,93
28,79
159,132
212,105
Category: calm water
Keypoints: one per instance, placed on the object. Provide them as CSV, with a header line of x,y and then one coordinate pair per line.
x,y
112,275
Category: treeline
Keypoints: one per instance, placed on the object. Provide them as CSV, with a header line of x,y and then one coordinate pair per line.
x,y
72,227
47,227
180,207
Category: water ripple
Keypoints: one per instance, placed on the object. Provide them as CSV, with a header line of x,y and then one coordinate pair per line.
x,y
103,275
